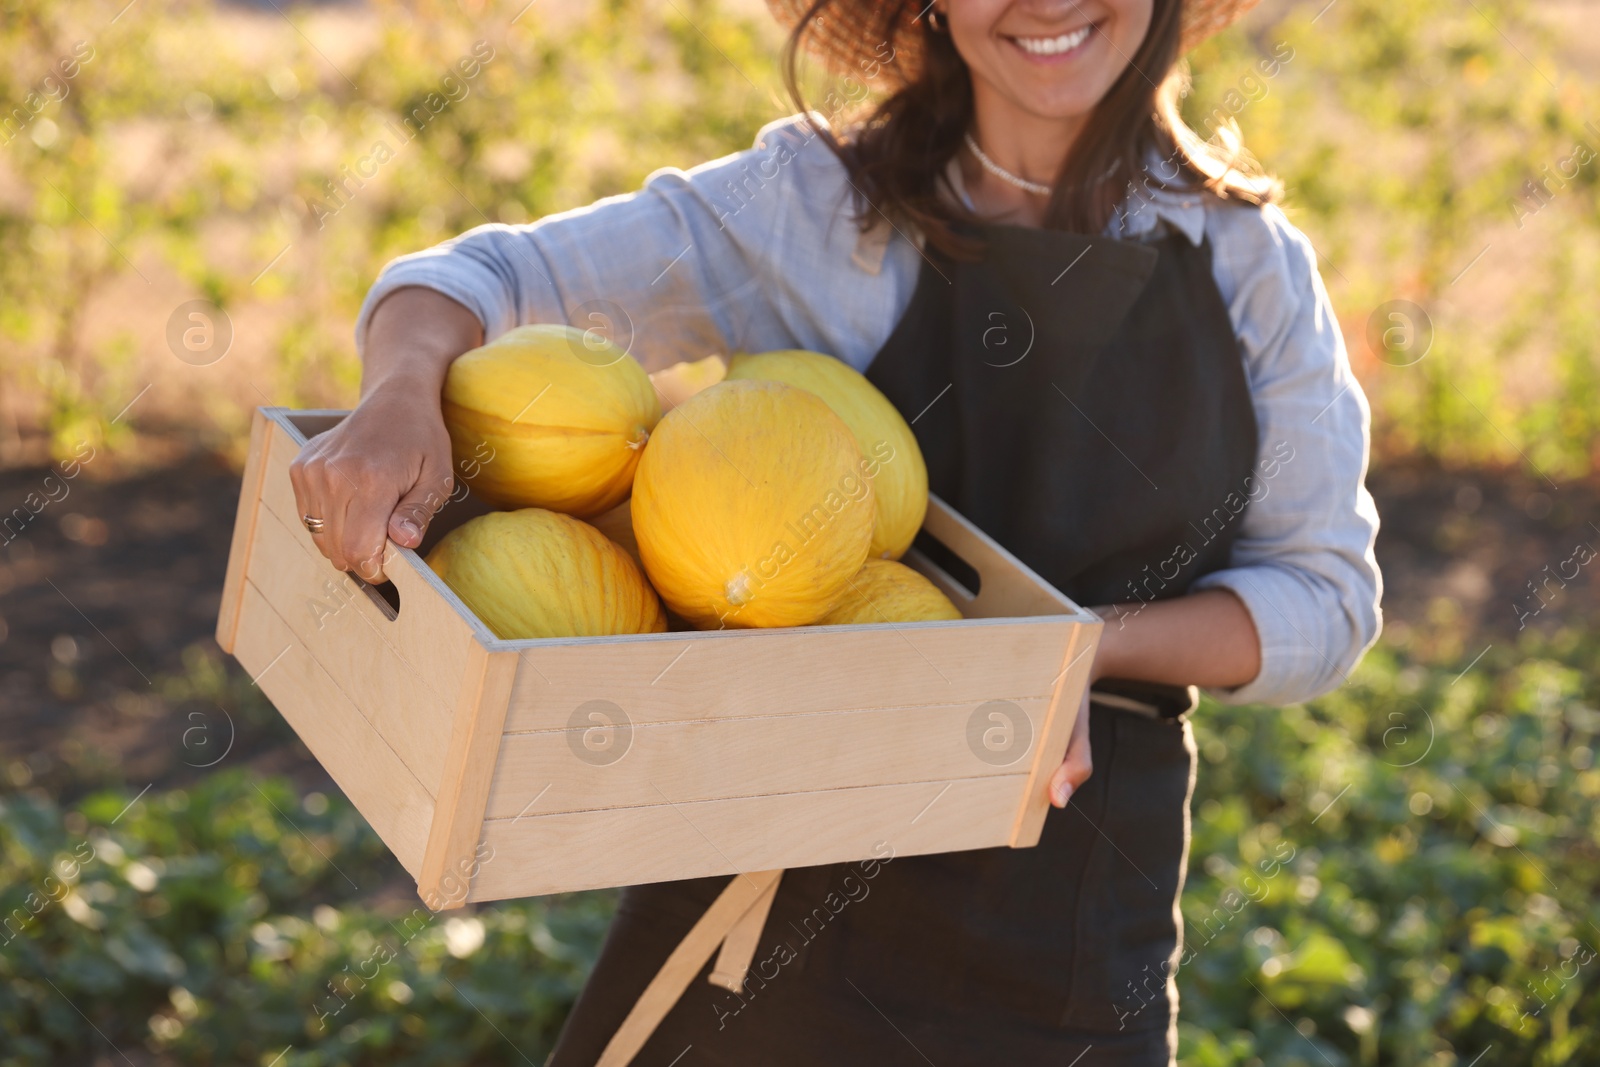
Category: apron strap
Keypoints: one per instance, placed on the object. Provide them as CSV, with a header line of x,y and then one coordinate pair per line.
x,y
739,947
734,921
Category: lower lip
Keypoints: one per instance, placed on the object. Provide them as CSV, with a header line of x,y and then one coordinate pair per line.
x,y
1059,57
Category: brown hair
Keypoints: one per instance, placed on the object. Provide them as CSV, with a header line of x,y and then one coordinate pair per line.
x,y
896,151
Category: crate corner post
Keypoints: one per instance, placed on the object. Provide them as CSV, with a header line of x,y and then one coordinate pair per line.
x,y
450,861
244,529
1055,734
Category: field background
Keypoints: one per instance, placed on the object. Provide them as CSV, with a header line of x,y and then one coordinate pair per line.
x,y
1441,810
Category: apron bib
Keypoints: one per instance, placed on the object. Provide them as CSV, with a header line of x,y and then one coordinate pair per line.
x,y
1083,401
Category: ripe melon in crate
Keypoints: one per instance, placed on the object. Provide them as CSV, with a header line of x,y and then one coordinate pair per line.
x,y
537,573
751,507
551,417
899,475
887,591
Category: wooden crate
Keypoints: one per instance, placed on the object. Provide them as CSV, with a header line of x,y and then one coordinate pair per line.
x,y
497,769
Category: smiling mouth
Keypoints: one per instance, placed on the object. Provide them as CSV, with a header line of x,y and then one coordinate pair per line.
x,y
1061,44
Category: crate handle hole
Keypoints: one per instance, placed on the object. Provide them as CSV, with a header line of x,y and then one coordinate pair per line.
x,y
385,596
959,571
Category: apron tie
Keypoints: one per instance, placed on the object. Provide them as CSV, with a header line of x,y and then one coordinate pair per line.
x,y
734,920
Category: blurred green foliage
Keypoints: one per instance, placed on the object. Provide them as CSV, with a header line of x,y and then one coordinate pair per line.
x,y
1438,847
1447,155
231,154
1402,872
218,925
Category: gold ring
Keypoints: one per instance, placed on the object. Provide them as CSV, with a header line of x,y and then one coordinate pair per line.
x,y
313,523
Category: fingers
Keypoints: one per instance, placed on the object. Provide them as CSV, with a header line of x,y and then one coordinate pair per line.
x,y
299,481
321,490
384,469
311,497
409,520
1078,764
316,496
363,533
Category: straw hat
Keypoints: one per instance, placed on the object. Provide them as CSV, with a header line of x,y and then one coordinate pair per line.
x,y
849,39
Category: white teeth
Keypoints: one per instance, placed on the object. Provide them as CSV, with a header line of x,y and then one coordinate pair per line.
x,y
1049,46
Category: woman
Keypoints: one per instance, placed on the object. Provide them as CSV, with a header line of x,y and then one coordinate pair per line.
x,y
1119,360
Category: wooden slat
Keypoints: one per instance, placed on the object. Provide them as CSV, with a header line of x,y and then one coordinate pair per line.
x,y
1057,732
477,721
536,855
434,637
673,677
244,524
719,758
352,638
369,772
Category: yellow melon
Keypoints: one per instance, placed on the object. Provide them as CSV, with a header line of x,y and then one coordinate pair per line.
x,y
886,591
888,447
679,382
617,525
750,506
551,417
537,573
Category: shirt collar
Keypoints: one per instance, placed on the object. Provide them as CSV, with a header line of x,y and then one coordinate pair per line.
x,y
1150,204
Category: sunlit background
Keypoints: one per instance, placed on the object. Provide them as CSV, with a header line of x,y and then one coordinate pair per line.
x,y
181,884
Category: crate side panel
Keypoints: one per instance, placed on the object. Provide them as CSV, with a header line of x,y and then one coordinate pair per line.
x,y
539,854
1008,588
369,772
352,639
796,671
428,634
610,764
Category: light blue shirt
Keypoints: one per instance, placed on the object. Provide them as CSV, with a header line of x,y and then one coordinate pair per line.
x,y
759,250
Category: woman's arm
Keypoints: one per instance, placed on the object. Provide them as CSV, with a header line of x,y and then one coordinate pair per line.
x,y
1303,564
413,337
754,251
1205,638
385,470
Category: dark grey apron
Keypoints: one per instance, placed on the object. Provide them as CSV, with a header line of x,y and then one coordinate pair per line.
x,y
1083,401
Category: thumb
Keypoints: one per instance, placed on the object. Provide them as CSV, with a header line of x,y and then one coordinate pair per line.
x,y
411,516
1078,765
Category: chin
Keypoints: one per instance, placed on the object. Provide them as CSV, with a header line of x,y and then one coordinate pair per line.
x,y
1054,102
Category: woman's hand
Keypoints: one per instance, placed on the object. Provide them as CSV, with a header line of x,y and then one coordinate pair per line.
x,y
385,471
381,473
1078,765
1206,638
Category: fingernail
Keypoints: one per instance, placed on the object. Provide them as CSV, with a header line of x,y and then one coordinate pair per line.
x,y
409,528
1063,793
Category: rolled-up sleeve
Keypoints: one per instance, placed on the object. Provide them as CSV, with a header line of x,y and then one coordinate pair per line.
x,y
1303,563
673,271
